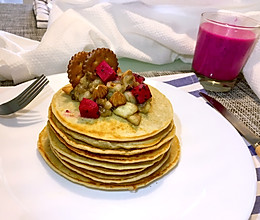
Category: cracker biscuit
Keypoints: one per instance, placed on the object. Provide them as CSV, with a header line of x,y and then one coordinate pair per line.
x,y
95,57
75,65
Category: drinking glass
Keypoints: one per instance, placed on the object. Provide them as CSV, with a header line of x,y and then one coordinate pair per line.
x,y
225,41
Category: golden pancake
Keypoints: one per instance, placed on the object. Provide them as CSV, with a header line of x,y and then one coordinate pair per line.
x,y
147,156
150,155
117,156
55,164
145,143
110,178
113,128
97,169
79,146
61,148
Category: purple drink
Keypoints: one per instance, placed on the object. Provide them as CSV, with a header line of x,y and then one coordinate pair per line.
x,y
221,51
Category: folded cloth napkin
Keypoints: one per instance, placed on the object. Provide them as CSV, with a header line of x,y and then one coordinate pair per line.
x,y
41,9
156,32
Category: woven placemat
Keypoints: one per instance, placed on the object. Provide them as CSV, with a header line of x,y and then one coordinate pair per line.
x,y
241,100
19,19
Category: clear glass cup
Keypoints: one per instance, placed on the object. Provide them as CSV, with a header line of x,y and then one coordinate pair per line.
x,y
224,43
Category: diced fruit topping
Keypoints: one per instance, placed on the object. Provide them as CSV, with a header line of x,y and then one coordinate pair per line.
x,y
145,107
117,99
134,119
129,97
105,72
126,110
128,80
103,89
100,92
89,109
141,93
138,78
67,89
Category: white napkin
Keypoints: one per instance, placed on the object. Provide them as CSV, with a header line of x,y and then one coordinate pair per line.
x,y
156,32
12,65
252,68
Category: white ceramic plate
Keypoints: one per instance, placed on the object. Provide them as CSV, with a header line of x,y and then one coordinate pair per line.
x,y
215,178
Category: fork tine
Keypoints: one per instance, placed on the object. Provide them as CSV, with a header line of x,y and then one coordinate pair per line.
x,y
29,88
25,97
28,92
25,100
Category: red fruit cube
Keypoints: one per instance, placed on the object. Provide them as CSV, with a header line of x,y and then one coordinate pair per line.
x,y
142,93
88,108
138,78
105,72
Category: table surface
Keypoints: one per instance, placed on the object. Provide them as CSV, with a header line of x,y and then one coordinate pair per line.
x,y
241,100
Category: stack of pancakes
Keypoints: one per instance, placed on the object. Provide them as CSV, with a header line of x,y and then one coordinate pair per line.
x,y
110,153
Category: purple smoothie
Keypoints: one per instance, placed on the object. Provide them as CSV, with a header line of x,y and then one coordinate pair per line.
x,y
221,51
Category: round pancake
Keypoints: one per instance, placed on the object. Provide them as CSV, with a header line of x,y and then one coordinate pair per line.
x,y
61,148
147,156
95,168
113,128
148,142
79,146
150,155
110,178
118,156
57,166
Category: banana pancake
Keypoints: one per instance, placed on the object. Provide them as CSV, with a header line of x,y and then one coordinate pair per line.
x,y
94,168
148,142
110,178
61,148
83,148
147,156
113,128
124,158
90,151
56,165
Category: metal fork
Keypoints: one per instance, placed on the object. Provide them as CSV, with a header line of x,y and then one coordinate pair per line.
x,y
25,97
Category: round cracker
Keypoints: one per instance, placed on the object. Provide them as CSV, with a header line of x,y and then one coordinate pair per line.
x,y
95,57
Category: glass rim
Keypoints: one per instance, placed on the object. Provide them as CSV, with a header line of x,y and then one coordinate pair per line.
x,y
232,14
